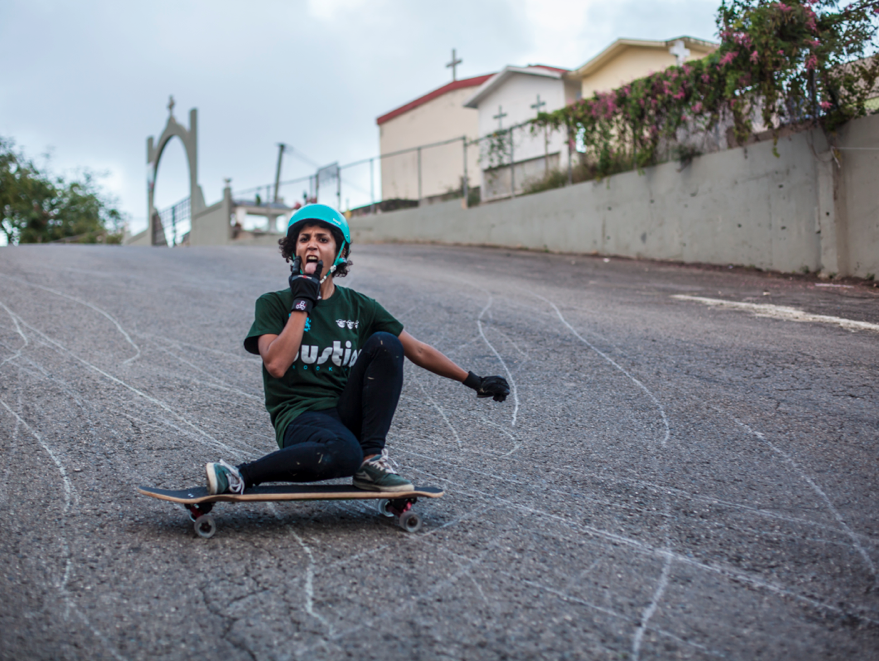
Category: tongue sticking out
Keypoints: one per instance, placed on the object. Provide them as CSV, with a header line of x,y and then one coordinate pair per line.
x,y
310,267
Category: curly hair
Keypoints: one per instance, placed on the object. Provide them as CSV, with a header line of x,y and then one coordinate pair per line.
x,y
288,248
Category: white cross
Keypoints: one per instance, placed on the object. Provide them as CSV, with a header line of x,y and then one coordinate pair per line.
x,y
537,106
453,65
679,51
171,105
500,117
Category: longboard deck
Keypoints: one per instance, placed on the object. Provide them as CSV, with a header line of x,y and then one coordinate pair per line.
x,y
198,495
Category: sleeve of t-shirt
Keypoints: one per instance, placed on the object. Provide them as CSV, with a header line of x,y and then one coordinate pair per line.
x,y
384,321
270,318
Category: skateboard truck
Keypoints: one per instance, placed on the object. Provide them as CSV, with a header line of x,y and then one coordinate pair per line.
x,y
401,510
202,521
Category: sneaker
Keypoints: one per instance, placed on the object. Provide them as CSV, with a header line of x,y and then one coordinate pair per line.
x,y
223,478
377,475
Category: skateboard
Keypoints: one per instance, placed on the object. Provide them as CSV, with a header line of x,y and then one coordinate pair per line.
x,y
199,503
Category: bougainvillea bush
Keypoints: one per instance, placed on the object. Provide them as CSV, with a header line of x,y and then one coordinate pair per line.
x,y
795,63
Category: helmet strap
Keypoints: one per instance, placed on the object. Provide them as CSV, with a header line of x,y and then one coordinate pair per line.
x,y
339,260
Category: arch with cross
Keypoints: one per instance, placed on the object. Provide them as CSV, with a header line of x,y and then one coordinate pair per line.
x,y
189,138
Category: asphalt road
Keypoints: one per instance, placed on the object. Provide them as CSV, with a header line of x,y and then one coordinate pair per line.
x,y
669,479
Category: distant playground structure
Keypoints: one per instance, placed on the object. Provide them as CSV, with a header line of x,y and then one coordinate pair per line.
x,y
191,221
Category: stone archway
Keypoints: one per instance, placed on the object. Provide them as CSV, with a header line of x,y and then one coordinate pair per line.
x,y
189,138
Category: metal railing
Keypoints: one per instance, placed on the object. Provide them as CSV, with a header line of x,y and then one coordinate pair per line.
x,y
176,222
339,179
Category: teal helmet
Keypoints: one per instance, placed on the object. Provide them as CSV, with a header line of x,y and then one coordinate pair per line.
x,y
321,213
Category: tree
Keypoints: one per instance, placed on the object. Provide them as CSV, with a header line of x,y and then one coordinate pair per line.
x,y
36,207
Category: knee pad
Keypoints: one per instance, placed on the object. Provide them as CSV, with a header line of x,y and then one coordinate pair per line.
x,y
386,343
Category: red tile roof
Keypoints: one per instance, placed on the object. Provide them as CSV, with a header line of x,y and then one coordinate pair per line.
x,y
454,85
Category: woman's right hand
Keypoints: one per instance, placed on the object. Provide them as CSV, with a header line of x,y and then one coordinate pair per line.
x,y
304,287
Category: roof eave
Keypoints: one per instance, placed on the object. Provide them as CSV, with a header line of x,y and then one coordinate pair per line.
x,y
608,53
496,80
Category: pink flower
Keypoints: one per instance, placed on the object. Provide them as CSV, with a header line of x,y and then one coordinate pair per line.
x,y
754,57
814,43
826,105
706,78
781,52
729,57
697,107
687,68
783,7
810,24
811,61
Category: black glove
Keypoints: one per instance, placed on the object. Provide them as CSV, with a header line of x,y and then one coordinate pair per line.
x,y
305,288
488,386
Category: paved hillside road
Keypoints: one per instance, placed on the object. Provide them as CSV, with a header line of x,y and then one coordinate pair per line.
x,y
686,467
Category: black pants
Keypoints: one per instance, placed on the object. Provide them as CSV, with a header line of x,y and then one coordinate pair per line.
x,y
321,445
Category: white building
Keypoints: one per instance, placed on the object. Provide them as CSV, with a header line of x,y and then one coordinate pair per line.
x,y
507,99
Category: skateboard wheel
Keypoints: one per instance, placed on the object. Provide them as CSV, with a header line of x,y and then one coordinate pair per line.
x,y
410,522
384,507
205,526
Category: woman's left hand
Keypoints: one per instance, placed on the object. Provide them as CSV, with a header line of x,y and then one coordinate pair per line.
x,y
495,387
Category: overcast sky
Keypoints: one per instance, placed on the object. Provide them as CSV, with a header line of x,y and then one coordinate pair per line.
x,y
89,81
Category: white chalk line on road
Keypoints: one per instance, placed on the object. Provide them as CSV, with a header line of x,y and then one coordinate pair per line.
x,y
615,364
68,487
509,479
780,312
309,573
753,511
19,331
513,388
823,496
570,598
567,597
68,561
440,411
247,358
612,540
215,382
662,583
153,400
87,304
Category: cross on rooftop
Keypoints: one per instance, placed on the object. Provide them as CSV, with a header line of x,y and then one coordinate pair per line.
x,y
453,65
500,117
537,106
679,51
171,105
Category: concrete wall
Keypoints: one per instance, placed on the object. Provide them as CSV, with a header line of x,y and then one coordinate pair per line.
x,y
741,206
139,239
213,226
860,186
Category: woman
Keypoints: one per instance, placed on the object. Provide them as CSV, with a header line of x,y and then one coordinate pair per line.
x,y
332,369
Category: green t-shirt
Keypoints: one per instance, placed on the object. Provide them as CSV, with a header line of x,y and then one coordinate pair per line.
x,y
334,332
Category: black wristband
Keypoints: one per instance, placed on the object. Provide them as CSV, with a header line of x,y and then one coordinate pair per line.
x,y
302,305
473,381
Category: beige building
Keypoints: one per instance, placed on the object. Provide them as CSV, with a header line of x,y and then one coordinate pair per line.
x,y
627,59
435,117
